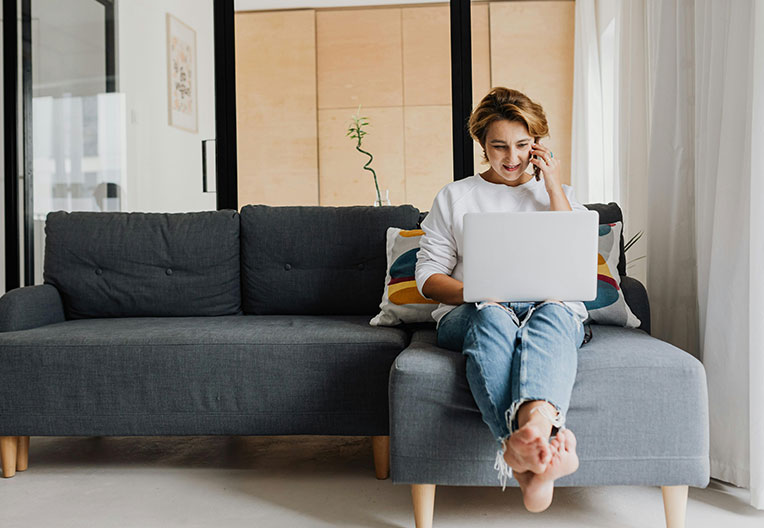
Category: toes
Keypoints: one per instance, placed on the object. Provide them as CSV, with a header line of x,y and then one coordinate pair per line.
x,y
559,442
545,455
527,449
543,449
571,439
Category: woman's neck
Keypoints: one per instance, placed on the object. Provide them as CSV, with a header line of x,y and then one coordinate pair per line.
x,y
491,177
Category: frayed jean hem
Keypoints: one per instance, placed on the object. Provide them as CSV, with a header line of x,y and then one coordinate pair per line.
x,y
500,465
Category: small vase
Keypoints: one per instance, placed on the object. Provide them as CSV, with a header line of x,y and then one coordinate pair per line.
x,y
385,199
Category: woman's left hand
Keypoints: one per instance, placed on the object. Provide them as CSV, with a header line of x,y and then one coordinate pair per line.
x,y
549,165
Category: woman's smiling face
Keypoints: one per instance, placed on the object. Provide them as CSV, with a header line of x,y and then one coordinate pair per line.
x,y
507,147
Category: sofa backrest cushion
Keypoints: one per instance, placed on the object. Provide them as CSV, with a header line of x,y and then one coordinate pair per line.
x,y
144,264
316,260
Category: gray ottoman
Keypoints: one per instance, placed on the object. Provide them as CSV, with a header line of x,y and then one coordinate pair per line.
x,y
639,410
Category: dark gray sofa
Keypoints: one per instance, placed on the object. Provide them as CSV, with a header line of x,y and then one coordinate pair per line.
x,y
211,323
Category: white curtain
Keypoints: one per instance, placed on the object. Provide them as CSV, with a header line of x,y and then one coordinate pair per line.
x,y
632,105
588,147
671,279
756,260
610,94
689,125
724,91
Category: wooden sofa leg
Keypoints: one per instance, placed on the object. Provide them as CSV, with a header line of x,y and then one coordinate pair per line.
x,y
675,505
423,496
381,447
22,453
8,447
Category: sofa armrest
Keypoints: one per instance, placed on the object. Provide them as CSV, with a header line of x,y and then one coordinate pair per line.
x,y
30,307
636,297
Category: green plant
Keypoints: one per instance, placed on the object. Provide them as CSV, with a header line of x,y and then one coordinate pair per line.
x,y
356,131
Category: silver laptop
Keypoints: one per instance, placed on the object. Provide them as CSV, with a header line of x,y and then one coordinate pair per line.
x,y
532,256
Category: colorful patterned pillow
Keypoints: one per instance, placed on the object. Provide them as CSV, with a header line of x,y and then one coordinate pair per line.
x,y
401,300
610,306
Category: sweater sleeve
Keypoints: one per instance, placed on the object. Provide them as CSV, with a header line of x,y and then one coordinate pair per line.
x,y
437,248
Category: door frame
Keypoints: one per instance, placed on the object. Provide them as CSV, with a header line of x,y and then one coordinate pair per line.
x,y
461,87
10,143
226,164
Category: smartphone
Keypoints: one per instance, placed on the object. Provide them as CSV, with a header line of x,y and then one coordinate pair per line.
x,y
536,169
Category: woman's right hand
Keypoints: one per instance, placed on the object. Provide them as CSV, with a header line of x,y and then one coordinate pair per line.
x,y
444,289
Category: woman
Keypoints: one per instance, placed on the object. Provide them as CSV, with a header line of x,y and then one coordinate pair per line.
x,y
521,356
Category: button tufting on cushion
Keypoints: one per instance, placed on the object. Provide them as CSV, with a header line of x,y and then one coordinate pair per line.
x,y
287,267
133,253
324,245
360,267
168,271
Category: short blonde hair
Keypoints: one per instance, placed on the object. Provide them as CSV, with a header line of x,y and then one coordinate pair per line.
x,y
512,105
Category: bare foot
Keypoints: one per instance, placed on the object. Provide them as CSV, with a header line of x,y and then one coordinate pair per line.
x,y
528,449
538,488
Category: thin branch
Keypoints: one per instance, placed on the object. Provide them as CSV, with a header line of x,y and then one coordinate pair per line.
x,y
355,131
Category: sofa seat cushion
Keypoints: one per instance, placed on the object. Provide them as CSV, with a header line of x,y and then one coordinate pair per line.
x,y
638,409
221,375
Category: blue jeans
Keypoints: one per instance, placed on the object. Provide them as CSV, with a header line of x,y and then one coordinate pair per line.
x,y
516,352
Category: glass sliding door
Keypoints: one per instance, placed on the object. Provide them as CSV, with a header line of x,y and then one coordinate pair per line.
x,y
302,74
74,133
120,104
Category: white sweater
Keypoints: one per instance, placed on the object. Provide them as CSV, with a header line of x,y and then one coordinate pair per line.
x,y
441,248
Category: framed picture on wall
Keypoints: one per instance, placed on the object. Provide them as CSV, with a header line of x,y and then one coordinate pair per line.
x,y
182,91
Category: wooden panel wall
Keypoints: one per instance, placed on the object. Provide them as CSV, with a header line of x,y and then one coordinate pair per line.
x,y
427,102
277,129
536,57
302,74
359,63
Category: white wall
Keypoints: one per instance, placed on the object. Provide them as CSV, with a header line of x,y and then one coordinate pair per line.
x,y
164,163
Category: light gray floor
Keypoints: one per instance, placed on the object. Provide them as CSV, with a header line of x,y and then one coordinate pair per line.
x,y
297,482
